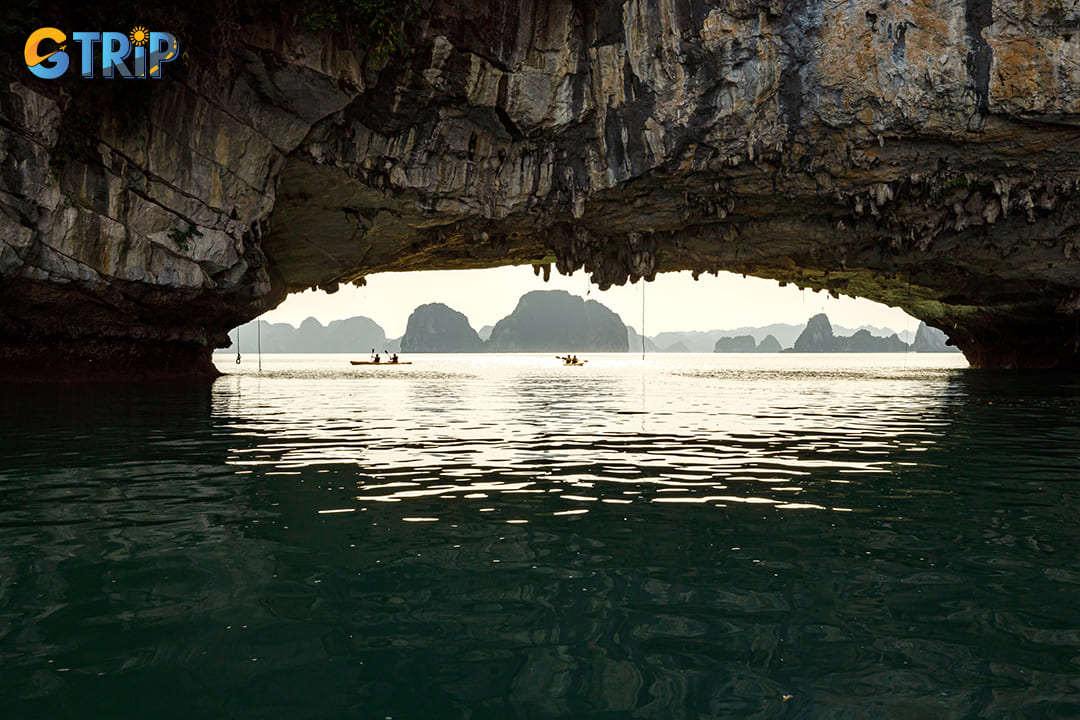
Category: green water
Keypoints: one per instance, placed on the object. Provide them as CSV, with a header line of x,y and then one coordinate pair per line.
x,y
502,537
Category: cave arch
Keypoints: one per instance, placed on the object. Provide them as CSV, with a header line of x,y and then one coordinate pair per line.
x,y
935,170
964,283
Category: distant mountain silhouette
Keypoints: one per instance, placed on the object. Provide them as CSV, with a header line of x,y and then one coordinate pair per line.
x,y
634,341
555,320
784,334
558,321
769,344
678,347
863,341
354,335
737,344
928,339
905,336
693,340
705,341
818,337
439,329
746,344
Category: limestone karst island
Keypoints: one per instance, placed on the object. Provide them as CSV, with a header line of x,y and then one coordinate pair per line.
x,y
924,155
262,459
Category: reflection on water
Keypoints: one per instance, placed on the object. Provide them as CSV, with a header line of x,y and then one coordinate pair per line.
x,y
491,537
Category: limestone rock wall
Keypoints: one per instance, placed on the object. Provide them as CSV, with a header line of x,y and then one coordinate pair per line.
x,y
921,153
123,226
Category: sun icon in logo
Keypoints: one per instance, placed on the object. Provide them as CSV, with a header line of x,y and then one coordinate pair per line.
x,y
139,36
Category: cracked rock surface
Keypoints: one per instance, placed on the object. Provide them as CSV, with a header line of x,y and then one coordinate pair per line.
x,y
924,154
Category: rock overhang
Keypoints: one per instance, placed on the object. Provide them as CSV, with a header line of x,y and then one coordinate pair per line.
x,y
920,154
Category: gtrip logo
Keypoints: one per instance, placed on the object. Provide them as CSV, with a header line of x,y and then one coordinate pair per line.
x,y
48,53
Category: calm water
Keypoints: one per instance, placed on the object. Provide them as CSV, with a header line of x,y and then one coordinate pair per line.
x,y
502,537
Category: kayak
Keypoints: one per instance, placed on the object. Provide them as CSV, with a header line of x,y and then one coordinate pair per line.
x,y
372,362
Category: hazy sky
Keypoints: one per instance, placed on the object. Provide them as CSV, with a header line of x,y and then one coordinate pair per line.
x,y
674,301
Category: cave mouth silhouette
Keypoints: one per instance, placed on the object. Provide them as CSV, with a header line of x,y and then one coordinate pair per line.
x,y
676,305
754,138
999,284
1030,333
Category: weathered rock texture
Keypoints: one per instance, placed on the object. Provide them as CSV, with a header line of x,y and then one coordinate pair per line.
x,y
924,154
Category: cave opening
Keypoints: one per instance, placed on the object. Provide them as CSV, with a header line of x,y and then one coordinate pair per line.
x,y
682,313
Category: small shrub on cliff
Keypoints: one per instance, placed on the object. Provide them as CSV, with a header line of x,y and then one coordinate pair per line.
x,y
1063,14
376,25
210,30
183,237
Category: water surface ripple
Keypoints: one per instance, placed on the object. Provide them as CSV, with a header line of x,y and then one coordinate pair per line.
x,y
502,537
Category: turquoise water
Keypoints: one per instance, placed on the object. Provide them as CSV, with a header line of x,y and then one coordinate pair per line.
x,y
503,537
